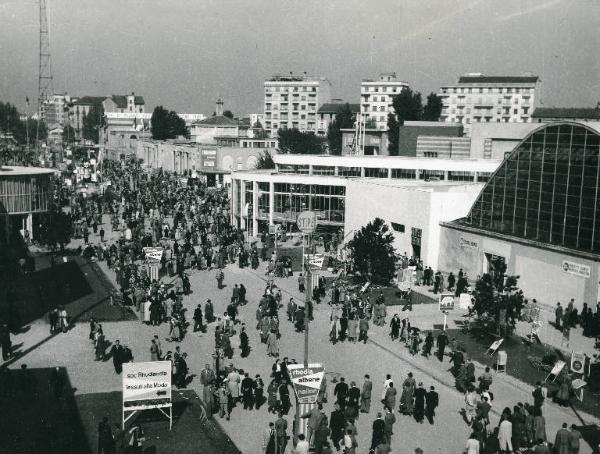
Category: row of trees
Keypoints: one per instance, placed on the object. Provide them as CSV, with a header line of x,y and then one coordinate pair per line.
x,y
166,124
408,106
11,123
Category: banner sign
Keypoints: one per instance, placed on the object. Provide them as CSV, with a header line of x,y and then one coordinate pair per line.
x,y
446,301
558,366
146,381
577,362
153,253
315,260
465,301
576,268
306,381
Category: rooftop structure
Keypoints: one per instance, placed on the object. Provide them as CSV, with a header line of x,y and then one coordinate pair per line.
x,y
543,114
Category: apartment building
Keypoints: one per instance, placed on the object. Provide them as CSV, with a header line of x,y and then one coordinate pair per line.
x,y
293,101
376,99
477,98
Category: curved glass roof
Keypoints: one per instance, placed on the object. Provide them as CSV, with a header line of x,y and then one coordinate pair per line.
x,y
546,190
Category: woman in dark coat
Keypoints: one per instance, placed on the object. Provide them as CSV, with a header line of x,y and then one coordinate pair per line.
x,y
419,410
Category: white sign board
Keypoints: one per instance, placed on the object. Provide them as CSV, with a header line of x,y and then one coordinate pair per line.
x,y
465,301
153,253
146,381
446,301
307,222
306,381
576,268
558,366
315,260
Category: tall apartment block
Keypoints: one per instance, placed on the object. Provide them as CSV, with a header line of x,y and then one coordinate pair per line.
x,y
477,99
293,101
376,98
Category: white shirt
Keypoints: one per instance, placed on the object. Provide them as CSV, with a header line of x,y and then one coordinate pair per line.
x,y
302,447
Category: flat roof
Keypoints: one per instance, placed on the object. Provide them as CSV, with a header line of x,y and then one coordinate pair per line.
x,y
391,162
270,175
20,170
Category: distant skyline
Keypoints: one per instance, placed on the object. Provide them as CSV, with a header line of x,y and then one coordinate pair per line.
x,y
184,54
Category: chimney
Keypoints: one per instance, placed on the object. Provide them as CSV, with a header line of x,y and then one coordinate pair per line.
x,y
219,107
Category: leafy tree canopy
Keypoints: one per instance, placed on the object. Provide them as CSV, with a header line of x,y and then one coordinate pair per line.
x,y
433,108
228,114
68,135
343,120
295,141
92,122
57,229
373,252
166,124
11,123
498,301
408,106
265,161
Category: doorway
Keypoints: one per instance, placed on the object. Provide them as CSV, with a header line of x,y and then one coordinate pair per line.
x,y
495,266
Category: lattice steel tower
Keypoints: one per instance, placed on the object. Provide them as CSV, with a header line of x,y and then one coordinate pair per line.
x,y
45,67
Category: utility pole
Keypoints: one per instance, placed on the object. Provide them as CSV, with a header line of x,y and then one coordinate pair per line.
x,y
307,300
44,69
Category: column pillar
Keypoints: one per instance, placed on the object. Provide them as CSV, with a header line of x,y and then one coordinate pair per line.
x,y
271,201
255,209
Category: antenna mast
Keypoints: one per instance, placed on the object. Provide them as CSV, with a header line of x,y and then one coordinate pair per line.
x,y
44,70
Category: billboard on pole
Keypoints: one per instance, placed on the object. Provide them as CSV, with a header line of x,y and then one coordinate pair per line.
x,y
306,381
146,381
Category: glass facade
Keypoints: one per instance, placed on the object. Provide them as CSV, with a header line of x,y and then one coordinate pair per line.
x,y
546,190
291,199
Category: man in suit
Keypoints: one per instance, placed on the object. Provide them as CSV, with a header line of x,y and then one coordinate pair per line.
x,y
341,391
281,426
562,440
207,375
431,403
353,399
378,435
365,396
442,342
116,352
314,416
270,440
389,419
336,425
105,437
248,386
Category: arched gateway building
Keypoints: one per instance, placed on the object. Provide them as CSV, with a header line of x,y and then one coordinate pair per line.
x,y
539,215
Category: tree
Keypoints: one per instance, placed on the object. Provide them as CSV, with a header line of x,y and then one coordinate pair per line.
x,y
433,108
294,141
68,135
344,119
408,106
373,252
167,124
92,122
56,229
11,123
498,301
265,161
228,114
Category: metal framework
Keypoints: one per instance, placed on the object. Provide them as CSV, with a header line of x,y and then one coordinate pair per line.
x,y
44,68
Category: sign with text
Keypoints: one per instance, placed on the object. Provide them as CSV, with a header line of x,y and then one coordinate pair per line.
x,y
446,301
307,222
153,253
306,381
576,268
467,243
315,260
146,381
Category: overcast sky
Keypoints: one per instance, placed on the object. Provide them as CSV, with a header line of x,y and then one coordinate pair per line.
x,y
185,54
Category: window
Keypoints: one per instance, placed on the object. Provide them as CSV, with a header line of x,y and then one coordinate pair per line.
x,y
323,170
398,227
408,174
373,172
349,171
